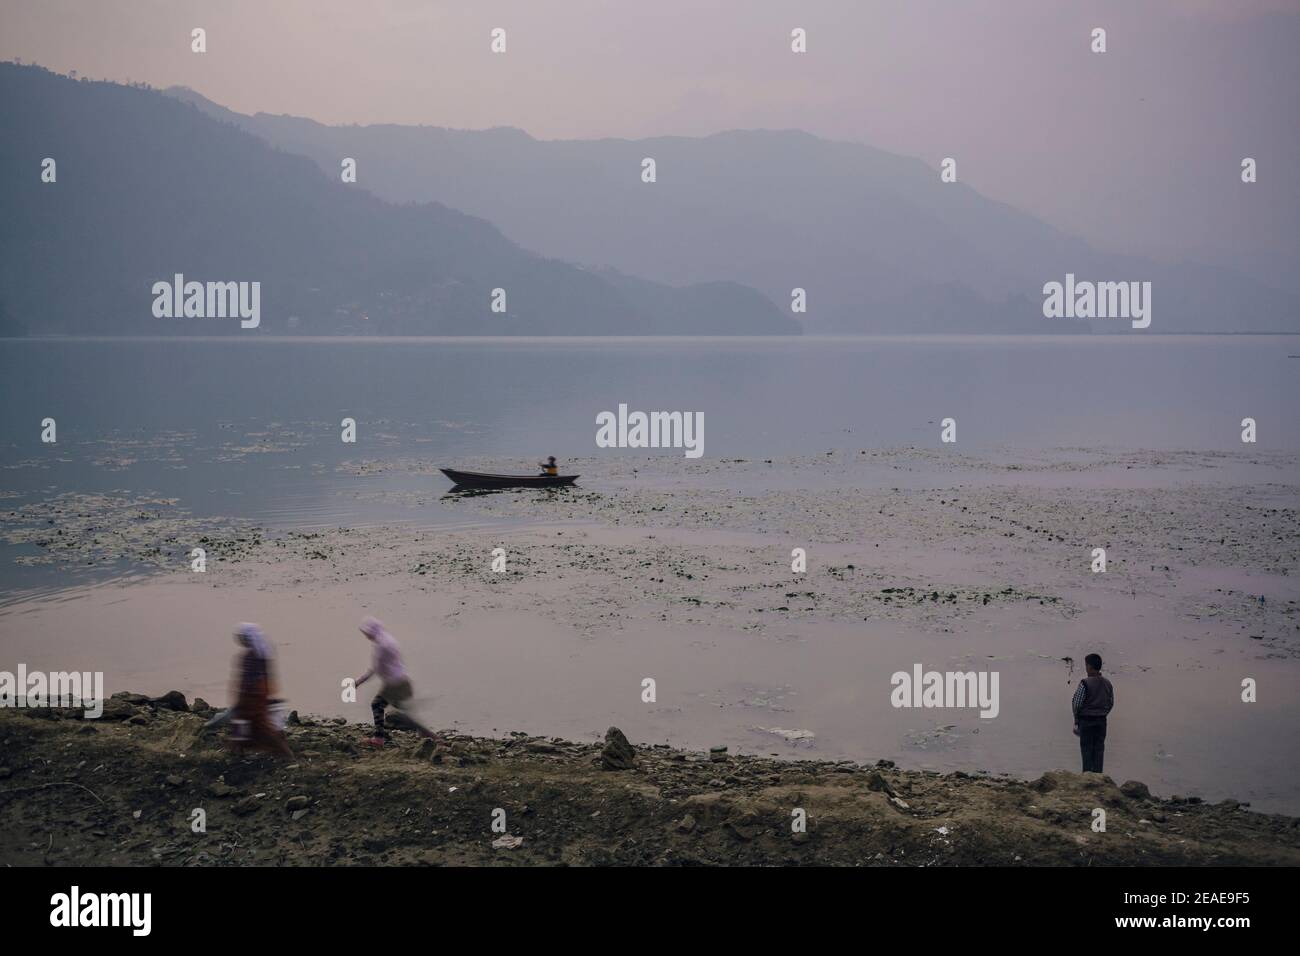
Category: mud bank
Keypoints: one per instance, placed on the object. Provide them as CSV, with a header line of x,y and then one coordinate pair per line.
x,y
124,790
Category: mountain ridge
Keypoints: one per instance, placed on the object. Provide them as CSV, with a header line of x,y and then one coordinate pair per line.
x,y
878,242
148,187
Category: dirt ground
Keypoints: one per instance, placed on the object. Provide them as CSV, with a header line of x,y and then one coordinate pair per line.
x,y
124,790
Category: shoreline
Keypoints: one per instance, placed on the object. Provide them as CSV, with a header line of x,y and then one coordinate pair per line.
x,y
684,575
123,790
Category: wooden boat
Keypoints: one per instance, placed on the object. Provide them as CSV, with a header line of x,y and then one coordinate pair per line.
x,y
475,479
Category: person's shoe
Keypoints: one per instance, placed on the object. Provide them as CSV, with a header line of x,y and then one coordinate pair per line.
x,y
376,742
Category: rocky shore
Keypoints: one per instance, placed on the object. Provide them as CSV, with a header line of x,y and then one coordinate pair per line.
x,y
133,787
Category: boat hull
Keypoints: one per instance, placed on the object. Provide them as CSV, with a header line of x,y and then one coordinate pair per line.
x,y
475,479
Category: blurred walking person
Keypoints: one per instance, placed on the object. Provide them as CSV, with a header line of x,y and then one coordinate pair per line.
x,y
395,686
253,725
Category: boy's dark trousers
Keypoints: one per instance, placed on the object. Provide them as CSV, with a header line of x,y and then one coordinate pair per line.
x,y
1092,742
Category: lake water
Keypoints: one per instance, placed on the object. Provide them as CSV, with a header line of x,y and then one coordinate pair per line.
x,y
250,427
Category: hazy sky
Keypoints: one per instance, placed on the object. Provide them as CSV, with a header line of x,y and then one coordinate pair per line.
x,y
1138,149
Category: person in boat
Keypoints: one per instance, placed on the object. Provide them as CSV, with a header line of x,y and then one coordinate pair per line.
x,y
549,468
395,689
253,725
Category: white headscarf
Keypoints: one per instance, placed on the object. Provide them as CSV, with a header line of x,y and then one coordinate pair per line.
x,y
252,637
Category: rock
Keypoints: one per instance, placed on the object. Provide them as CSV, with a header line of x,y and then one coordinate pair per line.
x,y
1051,780
293,720
1135,790
200,706
172,700
718,756
745,825
299,814
426,749
877,782
541,747
799,838
741,832
885,764
245,806
174,781
139,720
222,789
686,824
115,708
5,773
618,753
507,842
720,749
299,802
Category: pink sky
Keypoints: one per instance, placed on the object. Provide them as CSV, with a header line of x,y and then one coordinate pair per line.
x,y
1137,149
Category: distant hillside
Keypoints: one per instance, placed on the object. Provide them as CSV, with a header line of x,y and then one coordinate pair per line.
x,y
149,186
878,242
